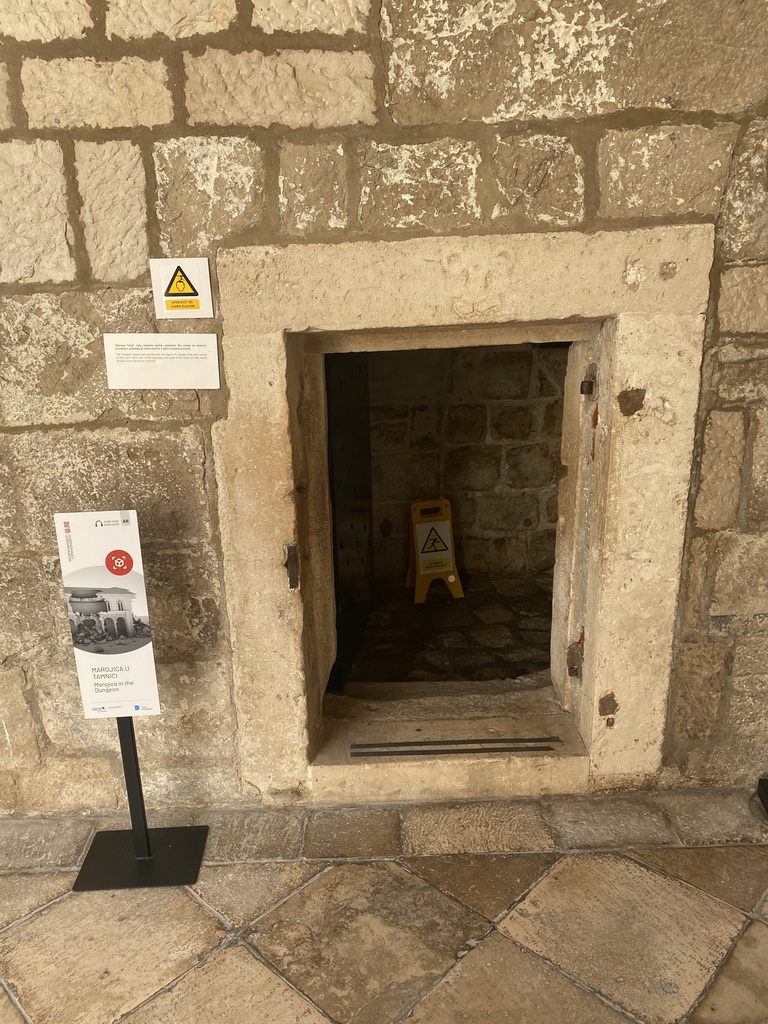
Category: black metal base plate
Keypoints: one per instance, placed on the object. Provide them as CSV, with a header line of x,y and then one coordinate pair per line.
x,y
111,862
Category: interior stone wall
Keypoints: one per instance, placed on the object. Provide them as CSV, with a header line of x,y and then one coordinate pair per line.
x,y
480,427
130,129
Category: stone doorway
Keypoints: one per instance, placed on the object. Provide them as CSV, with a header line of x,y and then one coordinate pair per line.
x,y
634,302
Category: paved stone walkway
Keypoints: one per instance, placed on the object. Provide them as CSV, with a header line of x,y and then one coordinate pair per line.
x,y
575,910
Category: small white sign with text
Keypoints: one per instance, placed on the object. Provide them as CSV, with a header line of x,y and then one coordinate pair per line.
x,y
168,361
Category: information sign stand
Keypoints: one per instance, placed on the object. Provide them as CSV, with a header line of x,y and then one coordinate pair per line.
x,y
140,857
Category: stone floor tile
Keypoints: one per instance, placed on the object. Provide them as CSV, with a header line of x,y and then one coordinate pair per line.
x,y
232,987
43,842
242,892
647,942
500,983
253,835
583,822
364,941
736,874
712,817
8,1012
739,994
352,832
488,883
116,948
475,828
21,894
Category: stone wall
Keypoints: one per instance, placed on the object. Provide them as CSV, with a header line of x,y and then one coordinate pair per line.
x,y
131,129
481,427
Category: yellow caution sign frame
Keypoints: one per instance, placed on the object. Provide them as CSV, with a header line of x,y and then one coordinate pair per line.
x,y
432,549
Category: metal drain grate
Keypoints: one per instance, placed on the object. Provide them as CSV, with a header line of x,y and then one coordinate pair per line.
x,y
423,748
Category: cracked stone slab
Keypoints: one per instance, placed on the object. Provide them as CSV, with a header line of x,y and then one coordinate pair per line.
x,y
21,894
736,874
326,937
740,990
709,817
255,835
578,916
132,941
474,828
583,821
352,832
243,892
539,180
27,843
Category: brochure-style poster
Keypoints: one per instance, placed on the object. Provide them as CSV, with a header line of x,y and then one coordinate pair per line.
x,y
106,601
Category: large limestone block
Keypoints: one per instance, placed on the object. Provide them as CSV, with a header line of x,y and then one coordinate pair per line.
x,y
742,373
207,189
52,362
6,118
672,169
332,16
313,188
35,235
25,585
741,583
721,469
52,677
743,227
159,474
177,19
82,92
185,607
18,736
702,674
557,59
68,784
429,185
44,20
297,88
110,177
9,792
743,306
539,180
758,480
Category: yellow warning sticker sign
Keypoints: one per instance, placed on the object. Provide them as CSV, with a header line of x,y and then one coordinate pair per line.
x,y
434,545
434,542
181,293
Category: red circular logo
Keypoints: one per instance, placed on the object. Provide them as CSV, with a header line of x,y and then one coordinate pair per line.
x,y
119,562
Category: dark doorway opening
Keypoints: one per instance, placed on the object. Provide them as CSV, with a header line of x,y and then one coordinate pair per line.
x,y
482,427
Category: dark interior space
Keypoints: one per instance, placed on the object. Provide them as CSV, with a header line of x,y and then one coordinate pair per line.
x,y
481,427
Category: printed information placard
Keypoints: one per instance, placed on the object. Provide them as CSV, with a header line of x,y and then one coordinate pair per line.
x,y
106,604
168,361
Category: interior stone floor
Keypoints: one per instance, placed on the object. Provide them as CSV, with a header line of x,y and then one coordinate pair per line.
x,y
605,909
500,629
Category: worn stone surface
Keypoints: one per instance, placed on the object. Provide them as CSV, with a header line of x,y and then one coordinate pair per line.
x,y
576,918
69,784
738,875
82,92
743,306
584,822
476,468
740,991
52,363
110,177
721,468
332,16
207,189
18,737
711,818
6,117
740,588
21,894
668,170
9,792
757,495
23,585
129,19
238,986
352,832
487,884
474,828
530,466
539,180
534,991
252,836
45,20
34,230
745,378
43,473
743,225
185,604
297,88
29,843
382,915
52,958
702,674
191,786
430,185
313,188
242,892
9,1014
747,714
560,60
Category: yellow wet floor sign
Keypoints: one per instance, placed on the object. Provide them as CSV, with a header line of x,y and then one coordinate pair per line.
x,y
432,548
181,293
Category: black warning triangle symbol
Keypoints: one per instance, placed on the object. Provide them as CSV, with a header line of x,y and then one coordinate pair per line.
x,y
180,285
434,542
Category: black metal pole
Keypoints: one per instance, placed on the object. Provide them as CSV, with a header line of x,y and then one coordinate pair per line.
x,y
133,787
